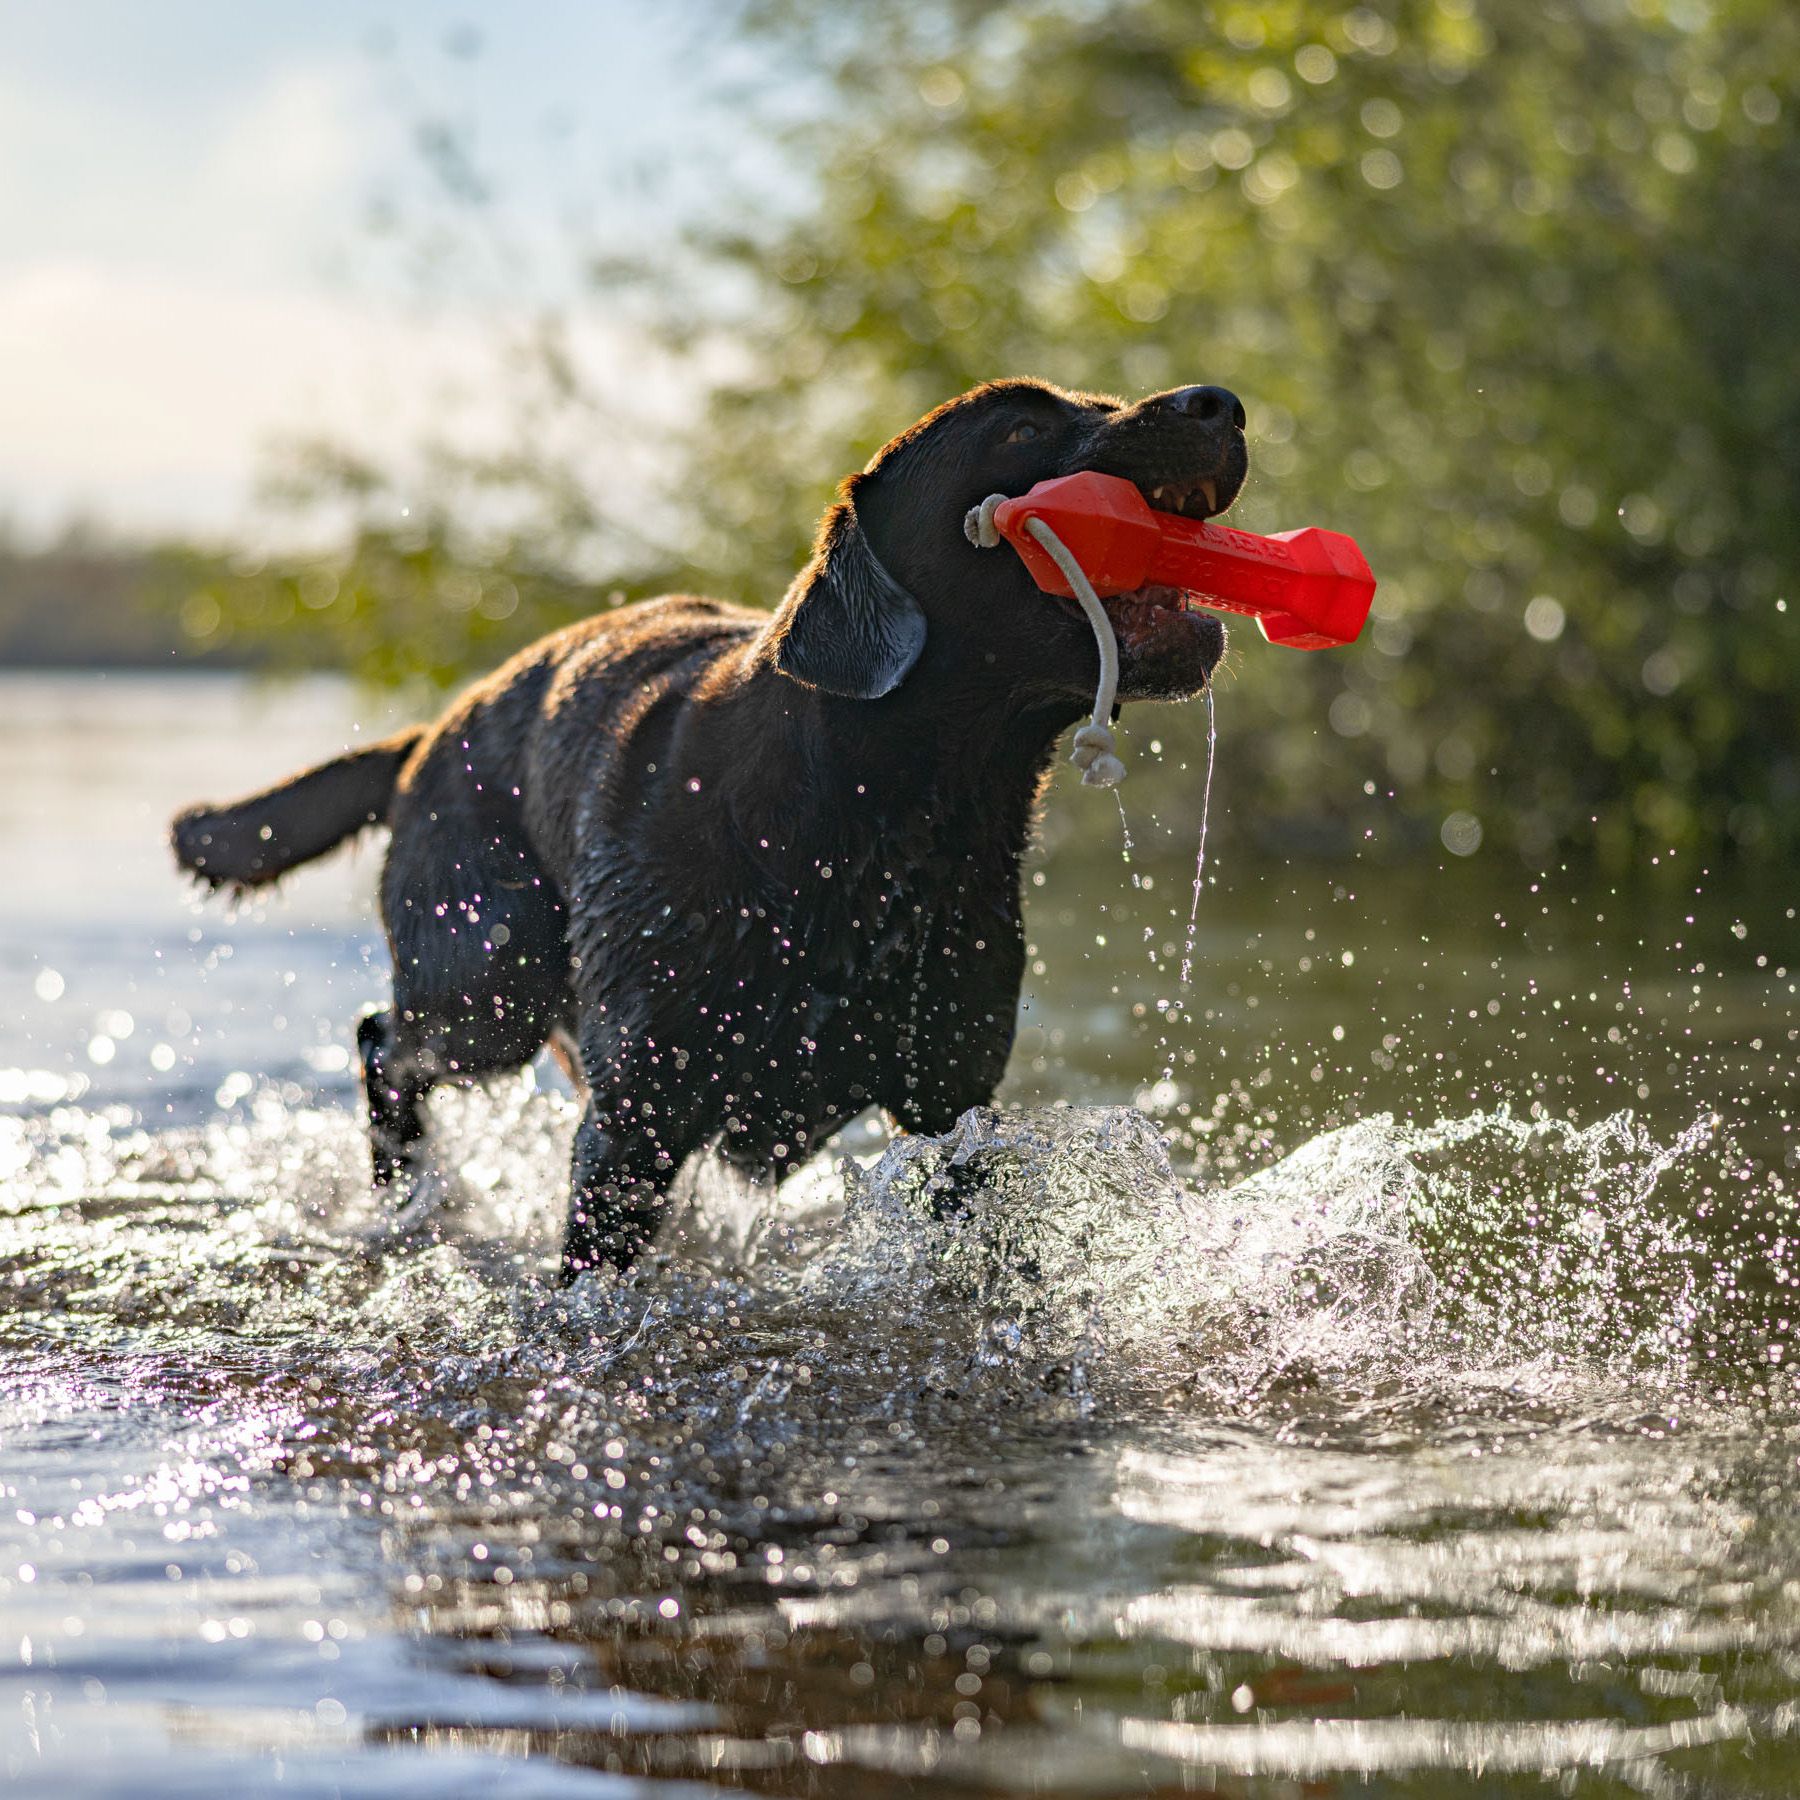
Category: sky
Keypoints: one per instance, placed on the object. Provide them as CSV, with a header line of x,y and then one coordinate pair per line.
x,y
190,262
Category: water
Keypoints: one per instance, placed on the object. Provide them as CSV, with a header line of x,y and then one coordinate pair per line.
x,y
1393,1398
1171,1005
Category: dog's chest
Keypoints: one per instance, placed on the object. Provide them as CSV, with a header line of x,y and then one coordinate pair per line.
x,y
807,984
885,986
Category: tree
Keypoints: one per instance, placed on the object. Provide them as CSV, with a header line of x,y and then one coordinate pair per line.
x,y
1509,288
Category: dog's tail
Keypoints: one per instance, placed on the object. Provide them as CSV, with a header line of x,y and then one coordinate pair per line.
x,y
257,840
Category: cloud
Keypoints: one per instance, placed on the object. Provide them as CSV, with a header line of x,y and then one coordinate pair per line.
x,y
247,184
177,196
145,397
146,400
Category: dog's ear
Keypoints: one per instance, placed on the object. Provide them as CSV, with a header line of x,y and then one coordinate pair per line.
x,y
847,626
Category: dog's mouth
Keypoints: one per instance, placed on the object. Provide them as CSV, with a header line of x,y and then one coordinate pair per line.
x,y
1146,614
1193,499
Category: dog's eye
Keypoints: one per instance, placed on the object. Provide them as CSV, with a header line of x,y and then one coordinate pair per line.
x,y
1021,434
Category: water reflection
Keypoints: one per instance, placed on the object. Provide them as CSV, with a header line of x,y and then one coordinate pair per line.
x,y
1239,1431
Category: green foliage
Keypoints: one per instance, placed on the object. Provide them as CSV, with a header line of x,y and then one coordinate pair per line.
x,y
429,582
395,607
1508,286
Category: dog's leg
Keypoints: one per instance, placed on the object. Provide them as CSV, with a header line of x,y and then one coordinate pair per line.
x,y
621,1168
395,1087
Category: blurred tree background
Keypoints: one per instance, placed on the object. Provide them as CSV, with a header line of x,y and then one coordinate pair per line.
x,y
1508,286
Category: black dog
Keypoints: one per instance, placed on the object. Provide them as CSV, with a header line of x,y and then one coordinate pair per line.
x,y
764,870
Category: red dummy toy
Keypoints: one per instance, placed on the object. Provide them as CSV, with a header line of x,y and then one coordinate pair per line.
x,y
1309,589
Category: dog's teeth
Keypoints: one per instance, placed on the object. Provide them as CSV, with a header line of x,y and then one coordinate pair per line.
x,y
1156,493
1212,496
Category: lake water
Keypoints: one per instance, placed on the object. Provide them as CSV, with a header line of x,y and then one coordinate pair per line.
x,y
1376,1380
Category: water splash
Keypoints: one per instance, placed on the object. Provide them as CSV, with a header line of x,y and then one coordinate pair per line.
x,y
1377,1256
1212,754
1177,1005
1059,1251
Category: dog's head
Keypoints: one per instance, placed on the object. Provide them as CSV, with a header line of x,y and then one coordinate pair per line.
x,y
893,578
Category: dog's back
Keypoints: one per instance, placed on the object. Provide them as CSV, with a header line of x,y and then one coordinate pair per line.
x,y
563,701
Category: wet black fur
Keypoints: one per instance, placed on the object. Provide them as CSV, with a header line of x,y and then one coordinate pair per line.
x,y
763,870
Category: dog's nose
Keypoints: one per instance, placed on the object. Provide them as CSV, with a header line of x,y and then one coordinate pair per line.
x,y
1206,404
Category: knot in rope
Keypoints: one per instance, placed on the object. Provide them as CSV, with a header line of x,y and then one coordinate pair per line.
x,y
978,523
1096,751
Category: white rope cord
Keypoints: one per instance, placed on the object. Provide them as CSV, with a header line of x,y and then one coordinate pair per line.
x,y
1096,751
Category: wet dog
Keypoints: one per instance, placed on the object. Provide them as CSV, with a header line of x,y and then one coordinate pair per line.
x,y
761,870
